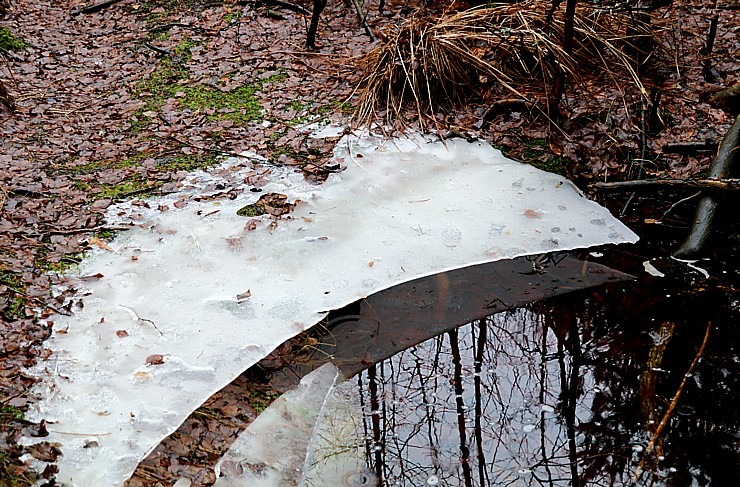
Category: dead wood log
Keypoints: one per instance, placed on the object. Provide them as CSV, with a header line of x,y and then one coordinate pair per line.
x,y
723,166
715,184
91,9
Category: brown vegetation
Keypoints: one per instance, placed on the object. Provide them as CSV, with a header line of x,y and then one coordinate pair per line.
x,y
522,48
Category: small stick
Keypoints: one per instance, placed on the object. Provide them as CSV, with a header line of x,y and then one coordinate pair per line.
x,y
75,231
682,200
139,318
727,184
164,52
208,149
91,9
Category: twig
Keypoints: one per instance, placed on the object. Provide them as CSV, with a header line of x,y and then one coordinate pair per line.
x,y
139,318
74,231
91,9
164,52
207,149
717,184
682,200
287,6
78,434
139,191
643,152
673,404
39,301
164,27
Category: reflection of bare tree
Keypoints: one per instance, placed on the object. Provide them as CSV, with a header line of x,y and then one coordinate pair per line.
x,y
540,396
478,427
462,432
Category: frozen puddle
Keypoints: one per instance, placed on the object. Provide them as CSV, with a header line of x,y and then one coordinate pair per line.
x,y
191,297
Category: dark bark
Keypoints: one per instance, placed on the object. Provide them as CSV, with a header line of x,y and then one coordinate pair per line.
x,y
559,83
710,74
318,7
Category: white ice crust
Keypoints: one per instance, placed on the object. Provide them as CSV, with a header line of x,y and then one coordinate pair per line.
x,y
402,209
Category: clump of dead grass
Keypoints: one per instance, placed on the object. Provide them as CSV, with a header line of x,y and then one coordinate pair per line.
x,y
430,65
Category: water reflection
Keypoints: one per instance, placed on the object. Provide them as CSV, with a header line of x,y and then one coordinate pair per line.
x,y
564,392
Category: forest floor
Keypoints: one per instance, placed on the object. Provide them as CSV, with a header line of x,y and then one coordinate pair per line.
x,y
124,102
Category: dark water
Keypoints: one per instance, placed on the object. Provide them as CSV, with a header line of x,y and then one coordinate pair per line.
x,y
538,387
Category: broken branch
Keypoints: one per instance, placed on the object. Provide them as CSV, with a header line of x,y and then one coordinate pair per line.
x,y
715,184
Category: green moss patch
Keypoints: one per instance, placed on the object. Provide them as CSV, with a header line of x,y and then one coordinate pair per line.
x,y
240,105
9,42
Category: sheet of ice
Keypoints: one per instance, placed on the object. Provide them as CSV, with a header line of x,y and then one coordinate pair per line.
x,y
402,209
307,437
272,451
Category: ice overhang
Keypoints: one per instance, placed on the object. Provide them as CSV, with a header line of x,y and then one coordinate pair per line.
x,y
193,296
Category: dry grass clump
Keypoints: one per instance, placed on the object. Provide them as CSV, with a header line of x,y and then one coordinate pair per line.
x,y
520,47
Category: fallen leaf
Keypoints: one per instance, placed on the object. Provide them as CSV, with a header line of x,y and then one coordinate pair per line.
x,y
97,242
155,359
121,333
243,296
